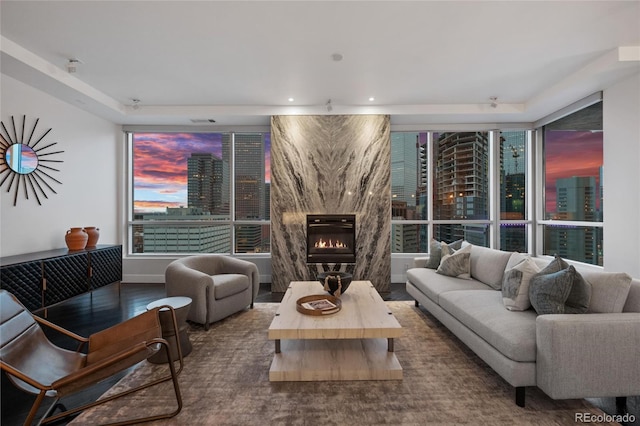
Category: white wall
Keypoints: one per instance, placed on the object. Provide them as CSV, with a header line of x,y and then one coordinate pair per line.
x,y
621,176
89,194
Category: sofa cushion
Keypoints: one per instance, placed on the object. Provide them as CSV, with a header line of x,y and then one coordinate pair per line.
x,y
515,285
432,284
609,290
512,333
455,264
225,285
435,252
548,291
488,265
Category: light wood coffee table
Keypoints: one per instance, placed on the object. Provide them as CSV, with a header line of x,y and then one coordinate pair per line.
x,y
355,343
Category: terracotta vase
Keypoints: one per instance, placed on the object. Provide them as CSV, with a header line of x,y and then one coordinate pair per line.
x,y
76,238
94,234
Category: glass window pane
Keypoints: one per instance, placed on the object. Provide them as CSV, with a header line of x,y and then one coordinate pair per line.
x,y
175,171
476,234
253,239
411,238
461,180
409,175
513,160
579,243
513,237
252,175
573,166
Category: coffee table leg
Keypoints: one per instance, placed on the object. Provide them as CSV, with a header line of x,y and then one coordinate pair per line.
x,y
277,346
390,344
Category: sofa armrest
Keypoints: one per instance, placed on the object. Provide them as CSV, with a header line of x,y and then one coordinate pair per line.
x,y
420,262
588,355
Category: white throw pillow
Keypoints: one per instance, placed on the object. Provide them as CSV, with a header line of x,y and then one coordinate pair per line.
x,y
515,285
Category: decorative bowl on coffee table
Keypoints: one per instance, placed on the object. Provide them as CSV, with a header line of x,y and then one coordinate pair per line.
x,y
336,283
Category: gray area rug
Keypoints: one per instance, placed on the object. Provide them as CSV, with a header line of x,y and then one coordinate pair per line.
x,y
225,381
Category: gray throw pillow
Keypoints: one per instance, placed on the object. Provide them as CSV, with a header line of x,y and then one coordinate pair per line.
x,y
435,252
580,295
457,264
548,292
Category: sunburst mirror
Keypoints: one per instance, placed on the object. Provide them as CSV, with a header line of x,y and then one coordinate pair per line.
x,y
25,166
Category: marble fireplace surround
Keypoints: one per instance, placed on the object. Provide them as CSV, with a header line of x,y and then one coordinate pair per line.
x,y
330,164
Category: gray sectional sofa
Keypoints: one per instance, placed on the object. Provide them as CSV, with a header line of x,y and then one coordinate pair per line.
x,y
593,354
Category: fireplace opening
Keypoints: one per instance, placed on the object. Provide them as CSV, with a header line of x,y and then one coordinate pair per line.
x,y
331,238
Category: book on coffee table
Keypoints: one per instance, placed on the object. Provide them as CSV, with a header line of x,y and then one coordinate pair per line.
x,y
324,305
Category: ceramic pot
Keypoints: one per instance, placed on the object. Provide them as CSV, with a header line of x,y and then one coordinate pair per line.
x,y
94,234
76,238
336,283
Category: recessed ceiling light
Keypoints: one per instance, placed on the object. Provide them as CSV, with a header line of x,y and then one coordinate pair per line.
x,y
337,57
371,99
290,99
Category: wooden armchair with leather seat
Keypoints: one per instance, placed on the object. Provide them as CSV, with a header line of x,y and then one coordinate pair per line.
x,y
37,366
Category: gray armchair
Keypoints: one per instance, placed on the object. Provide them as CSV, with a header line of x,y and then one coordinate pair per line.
x,y
219,285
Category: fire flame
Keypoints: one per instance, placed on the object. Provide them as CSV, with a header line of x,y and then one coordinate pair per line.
x,y
324,244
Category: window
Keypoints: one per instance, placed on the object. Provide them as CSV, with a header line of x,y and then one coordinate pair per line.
x,y
186,185
513,183
573,152
409,175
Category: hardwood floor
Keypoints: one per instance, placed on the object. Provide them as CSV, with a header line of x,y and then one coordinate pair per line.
x,y
115,303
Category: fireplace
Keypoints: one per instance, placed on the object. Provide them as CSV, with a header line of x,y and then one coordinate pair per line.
x,y
331,238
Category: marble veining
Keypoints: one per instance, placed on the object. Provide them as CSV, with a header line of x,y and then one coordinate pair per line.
x,y
330,164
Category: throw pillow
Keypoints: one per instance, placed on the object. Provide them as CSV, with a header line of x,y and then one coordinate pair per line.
x,y
515,285
580,295
609,291
435,252
548,292
457,264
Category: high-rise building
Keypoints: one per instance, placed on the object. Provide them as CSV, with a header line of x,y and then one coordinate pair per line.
x,y
249,176
404,167
461,184
206,183
250,200
575,201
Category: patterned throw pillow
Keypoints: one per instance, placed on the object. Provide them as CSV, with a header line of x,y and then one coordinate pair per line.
x,y
455,264
580,296
435,252
515,285
548,292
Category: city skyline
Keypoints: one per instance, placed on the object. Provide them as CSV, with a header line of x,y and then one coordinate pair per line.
x,y
160,166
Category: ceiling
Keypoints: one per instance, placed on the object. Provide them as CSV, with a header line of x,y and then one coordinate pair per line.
x,y
239,62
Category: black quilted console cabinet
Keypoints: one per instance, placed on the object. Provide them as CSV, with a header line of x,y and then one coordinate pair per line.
x,y
44,278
